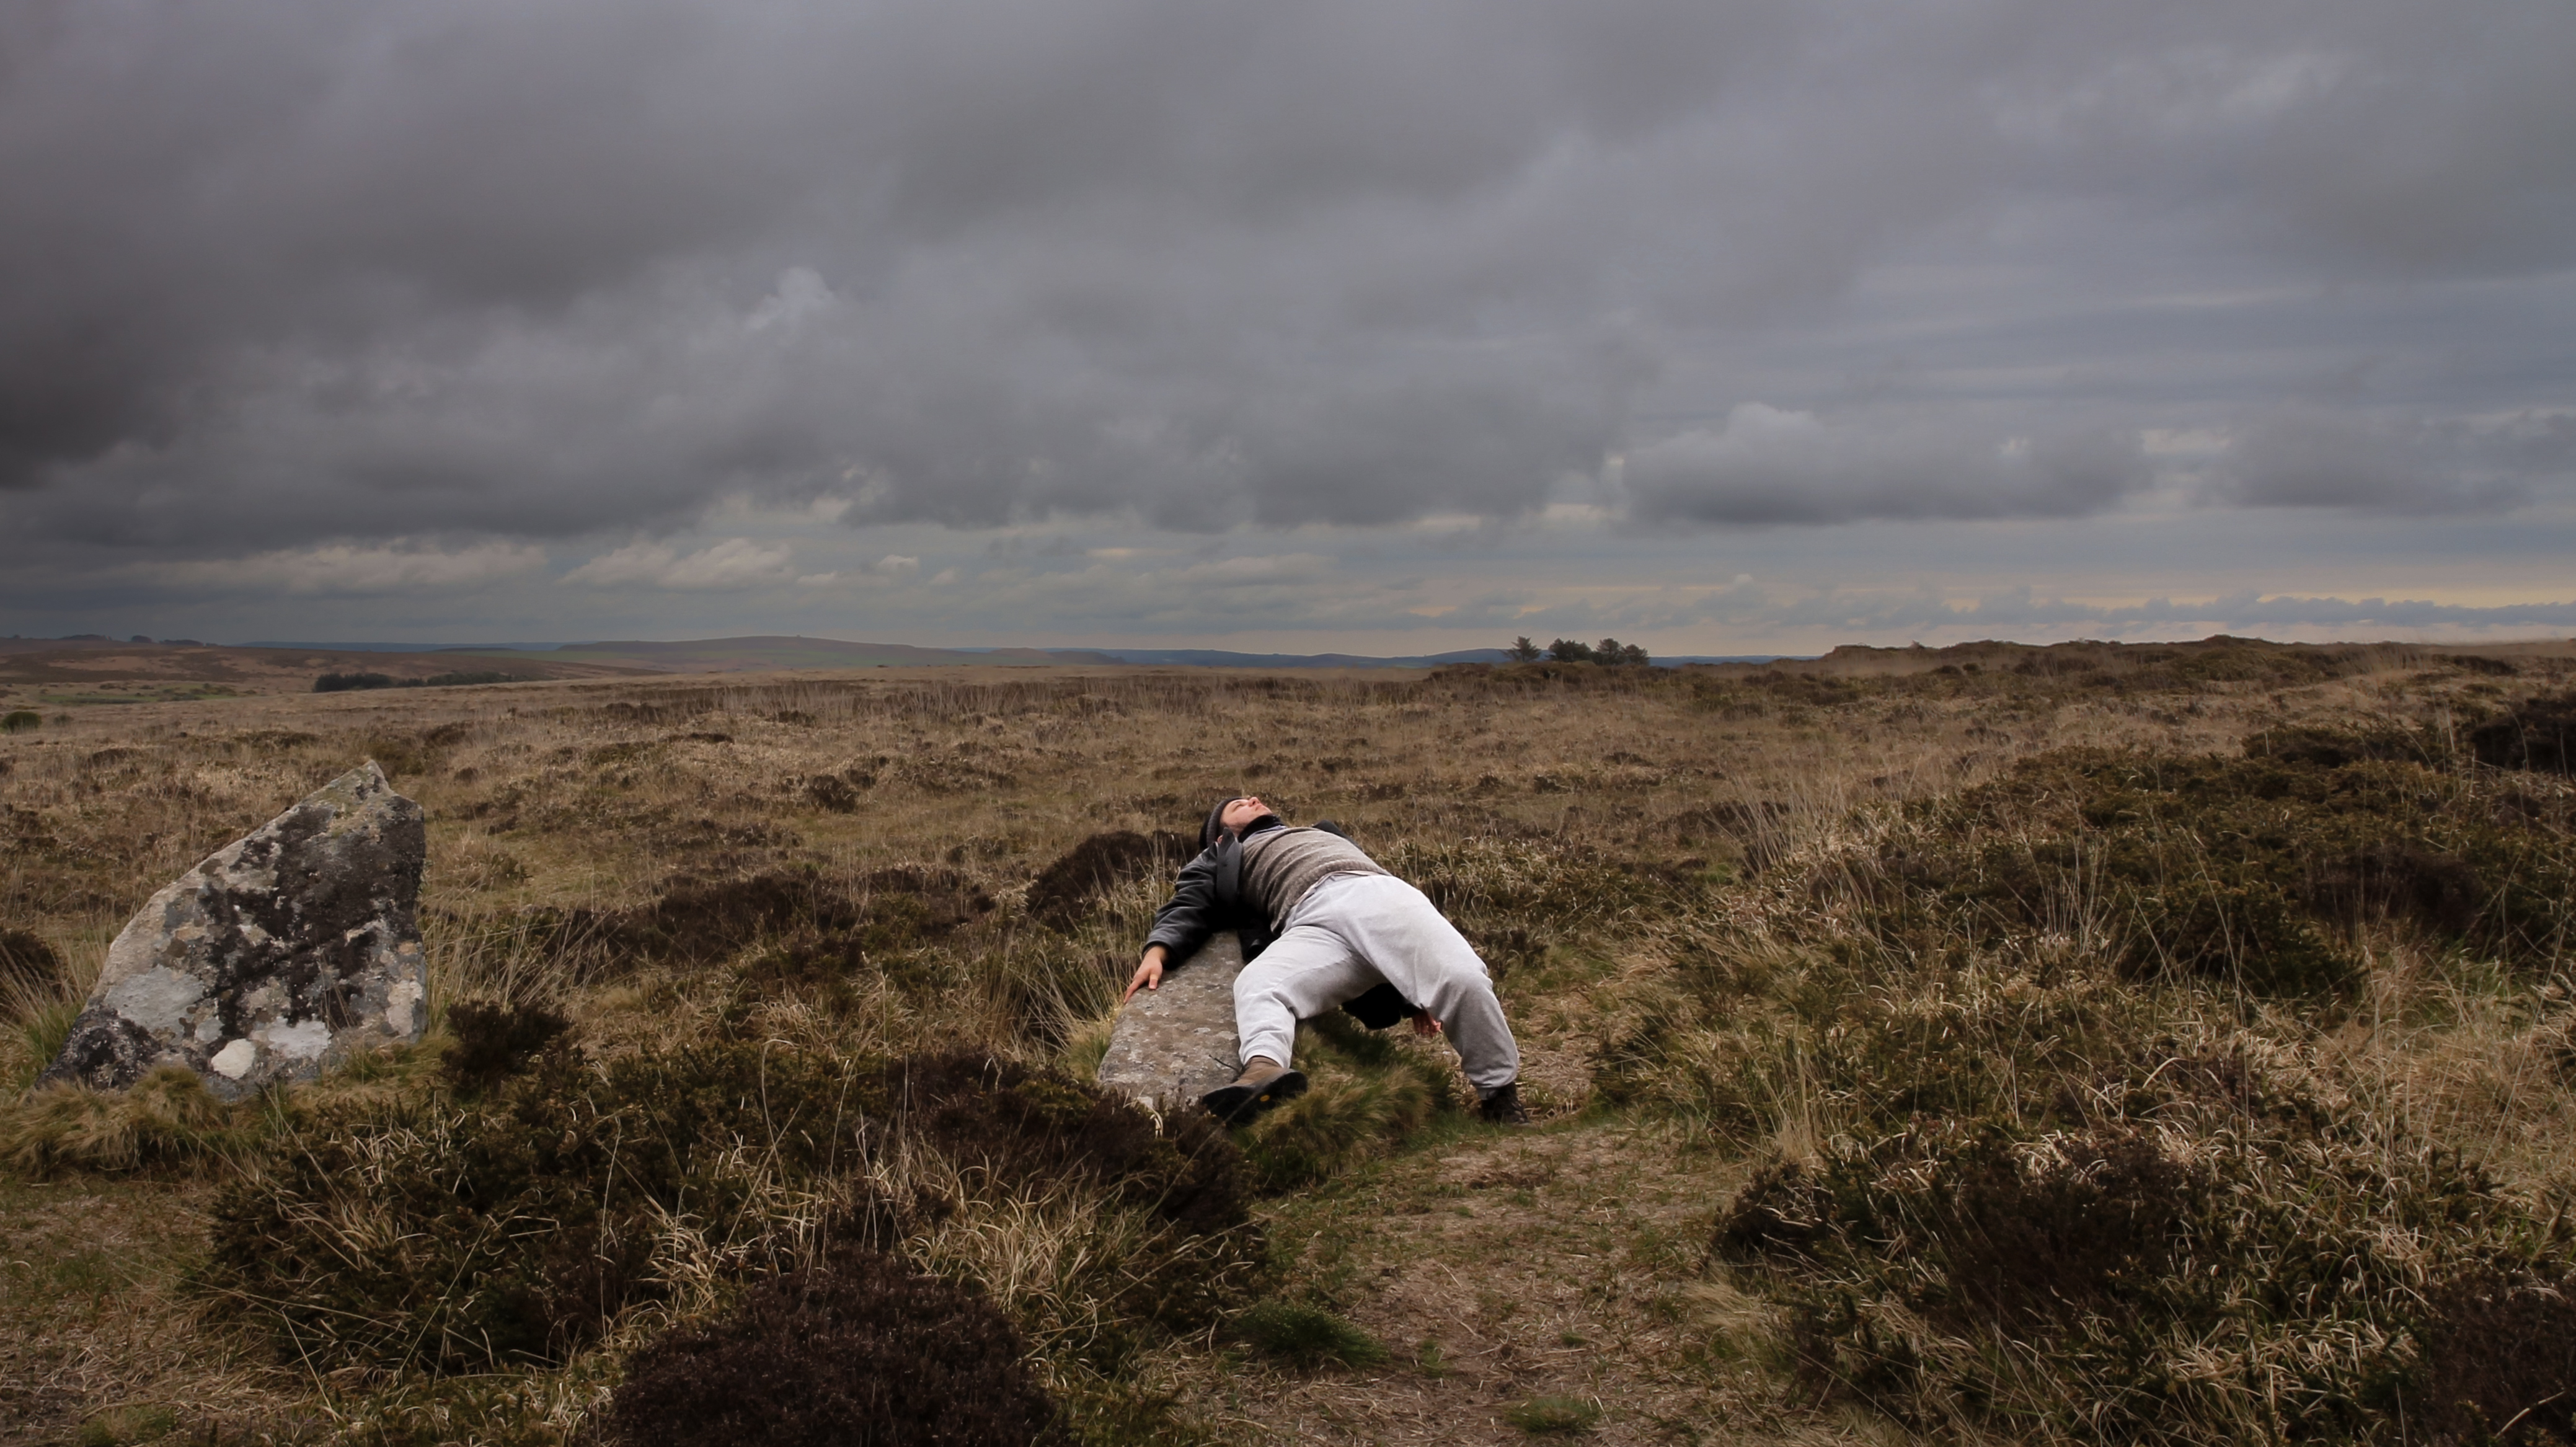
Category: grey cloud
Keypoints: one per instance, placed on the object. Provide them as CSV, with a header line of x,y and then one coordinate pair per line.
x,y
1766,465
297,272
2310,458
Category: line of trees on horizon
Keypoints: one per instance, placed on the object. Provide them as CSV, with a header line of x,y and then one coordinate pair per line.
x,y
1566,650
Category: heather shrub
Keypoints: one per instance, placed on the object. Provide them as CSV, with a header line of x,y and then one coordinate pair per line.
x,y
517,1227
880,916
2050,1157
1068,888
2539,735
27,963
492,1041
1020,1124
860,1350
414,1232
2497,1356
2250,872
2177,1270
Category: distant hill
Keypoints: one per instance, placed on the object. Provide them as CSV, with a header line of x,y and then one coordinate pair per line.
x,y
763,654
103,670
1219,658
741,655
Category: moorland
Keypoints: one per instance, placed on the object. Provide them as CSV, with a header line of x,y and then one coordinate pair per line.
x,y
2167,1044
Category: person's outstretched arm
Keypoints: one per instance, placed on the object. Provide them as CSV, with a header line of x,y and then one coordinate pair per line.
x,y
1181,925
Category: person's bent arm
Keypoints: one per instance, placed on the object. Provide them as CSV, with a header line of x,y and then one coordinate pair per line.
x,y
1185,920
1149,973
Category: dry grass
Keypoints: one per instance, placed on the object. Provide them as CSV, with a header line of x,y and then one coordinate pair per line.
x,y
1612,849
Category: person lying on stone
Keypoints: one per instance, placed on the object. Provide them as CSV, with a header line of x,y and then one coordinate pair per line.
x,y
1322,925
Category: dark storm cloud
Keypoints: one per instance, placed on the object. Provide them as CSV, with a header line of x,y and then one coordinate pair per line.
x,y
284,270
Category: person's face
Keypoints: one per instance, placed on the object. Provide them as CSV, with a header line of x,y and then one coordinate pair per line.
x,y
1243,811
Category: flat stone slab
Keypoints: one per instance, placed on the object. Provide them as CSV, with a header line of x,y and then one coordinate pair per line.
x,y
286,948
1175,1044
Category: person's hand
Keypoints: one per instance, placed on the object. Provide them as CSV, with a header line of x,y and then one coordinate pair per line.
x,y
1148,976
1424,1025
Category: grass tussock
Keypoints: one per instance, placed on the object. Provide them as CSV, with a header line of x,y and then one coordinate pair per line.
x,y
1367,1094
1307,1336
168,1119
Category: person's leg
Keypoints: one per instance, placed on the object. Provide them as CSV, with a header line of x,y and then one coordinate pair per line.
x,y
1305,972
1390,926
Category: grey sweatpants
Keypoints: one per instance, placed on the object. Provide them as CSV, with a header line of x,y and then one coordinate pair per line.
x,y
1349,933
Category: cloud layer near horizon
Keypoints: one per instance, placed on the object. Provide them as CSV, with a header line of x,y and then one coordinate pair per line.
x,y
467,280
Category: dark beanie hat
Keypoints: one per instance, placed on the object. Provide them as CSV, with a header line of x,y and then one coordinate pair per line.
x,y
1215,824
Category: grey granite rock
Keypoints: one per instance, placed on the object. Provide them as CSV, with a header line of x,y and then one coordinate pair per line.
x,y
282,950
1173,1045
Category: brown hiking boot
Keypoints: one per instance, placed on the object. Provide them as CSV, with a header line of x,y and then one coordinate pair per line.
x,y
1502,1105
1263,1084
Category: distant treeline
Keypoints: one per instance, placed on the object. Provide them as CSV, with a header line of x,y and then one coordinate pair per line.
x,y
1566,650
344,682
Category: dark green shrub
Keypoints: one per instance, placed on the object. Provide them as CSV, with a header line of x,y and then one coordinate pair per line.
x,y
350,682
1307,1336
866,1351
20,720
493,1041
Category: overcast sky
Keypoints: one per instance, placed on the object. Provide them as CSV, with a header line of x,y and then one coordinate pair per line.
x,y
1386,325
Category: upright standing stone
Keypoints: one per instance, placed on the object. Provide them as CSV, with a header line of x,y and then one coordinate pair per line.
x,y
281,950
1175,1044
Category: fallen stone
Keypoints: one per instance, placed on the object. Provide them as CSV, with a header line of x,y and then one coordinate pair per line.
x,y
1175,1044
282,951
